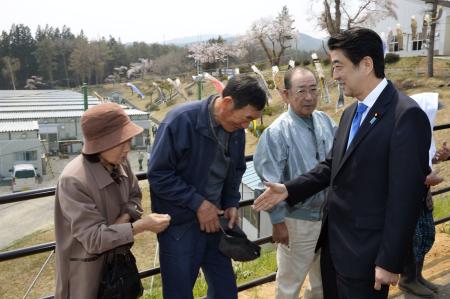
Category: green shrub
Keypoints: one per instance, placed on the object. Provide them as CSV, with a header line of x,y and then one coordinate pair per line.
x,y
261,65
245,69
270,84
391,58
151,107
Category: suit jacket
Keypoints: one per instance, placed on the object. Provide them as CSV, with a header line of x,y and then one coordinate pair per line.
x,y
376,185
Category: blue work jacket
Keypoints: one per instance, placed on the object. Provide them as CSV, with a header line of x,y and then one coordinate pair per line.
x,y
183,151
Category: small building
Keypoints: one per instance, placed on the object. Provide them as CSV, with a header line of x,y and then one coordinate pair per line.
x,y
408,35
58,113
19,143
255,225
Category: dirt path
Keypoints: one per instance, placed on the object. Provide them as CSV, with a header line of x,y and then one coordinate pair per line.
x,y
437,269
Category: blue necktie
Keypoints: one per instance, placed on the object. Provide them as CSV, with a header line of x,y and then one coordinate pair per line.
x,y
356,122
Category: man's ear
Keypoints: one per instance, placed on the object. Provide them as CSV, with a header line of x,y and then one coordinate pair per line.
x,y
228,101
367,63
284,95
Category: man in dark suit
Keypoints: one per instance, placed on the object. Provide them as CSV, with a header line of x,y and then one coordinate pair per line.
x,y
375,170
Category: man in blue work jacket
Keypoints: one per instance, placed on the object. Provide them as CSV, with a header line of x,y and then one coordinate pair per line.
x,y
194,172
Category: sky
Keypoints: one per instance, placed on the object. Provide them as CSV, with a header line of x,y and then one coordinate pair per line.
x,y
153,21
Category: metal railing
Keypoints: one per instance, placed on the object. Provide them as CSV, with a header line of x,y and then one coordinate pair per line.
x,y
45,247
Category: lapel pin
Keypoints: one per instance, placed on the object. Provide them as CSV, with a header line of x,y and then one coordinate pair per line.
x,y
374,118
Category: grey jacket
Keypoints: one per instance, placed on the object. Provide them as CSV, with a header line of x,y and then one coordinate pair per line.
x,y
287,149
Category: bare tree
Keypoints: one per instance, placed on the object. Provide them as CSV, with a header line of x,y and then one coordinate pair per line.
x,y
430,71
435,16
353,13
12,65
274,35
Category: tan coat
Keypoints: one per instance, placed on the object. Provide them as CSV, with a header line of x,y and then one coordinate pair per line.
x,y
87,204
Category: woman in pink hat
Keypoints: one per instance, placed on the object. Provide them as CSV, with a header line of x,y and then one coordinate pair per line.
x,y
98,203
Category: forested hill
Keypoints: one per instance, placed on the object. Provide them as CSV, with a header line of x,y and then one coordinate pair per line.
x,y
55,57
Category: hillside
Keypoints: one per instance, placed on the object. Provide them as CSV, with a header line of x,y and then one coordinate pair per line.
x,y
408,75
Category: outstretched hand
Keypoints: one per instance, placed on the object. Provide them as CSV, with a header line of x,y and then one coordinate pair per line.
x,y
443,153
274,194
434,178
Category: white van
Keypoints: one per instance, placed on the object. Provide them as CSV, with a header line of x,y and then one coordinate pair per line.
x,y
23,177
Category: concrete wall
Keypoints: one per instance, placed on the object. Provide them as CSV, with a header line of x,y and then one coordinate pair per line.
x,y
9,148
265,226
70,128
446,37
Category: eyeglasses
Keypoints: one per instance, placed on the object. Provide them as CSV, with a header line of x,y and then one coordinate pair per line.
x,y
302,92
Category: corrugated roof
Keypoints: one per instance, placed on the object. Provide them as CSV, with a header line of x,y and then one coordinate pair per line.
x,y
33,96
250,178
59,99
43,103
55,114
51,93
16,105
19,126
43,108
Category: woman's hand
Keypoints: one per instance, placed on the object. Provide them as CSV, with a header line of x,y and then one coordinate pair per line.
x,y
152,222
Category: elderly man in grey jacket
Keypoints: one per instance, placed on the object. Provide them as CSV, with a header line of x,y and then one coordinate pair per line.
x,y
292,145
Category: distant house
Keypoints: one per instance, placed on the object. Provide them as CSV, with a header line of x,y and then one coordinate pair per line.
x,y
407,36
19,143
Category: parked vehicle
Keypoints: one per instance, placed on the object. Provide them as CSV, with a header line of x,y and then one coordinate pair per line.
x,y
24,177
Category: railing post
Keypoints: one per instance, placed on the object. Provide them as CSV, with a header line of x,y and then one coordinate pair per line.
x,y
85,96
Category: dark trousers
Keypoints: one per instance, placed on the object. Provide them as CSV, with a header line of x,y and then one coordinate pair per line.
x,y
183,252
336,286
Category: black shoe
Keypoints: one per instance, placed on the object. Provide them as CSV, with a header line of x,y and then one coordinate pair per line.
x,y
415,288
428,284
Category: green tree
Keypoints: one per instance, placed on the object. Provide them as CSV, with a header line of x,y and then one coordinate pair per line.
x,y
22,46
99,55
46,52
4,51
80,63
118,55
64,44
